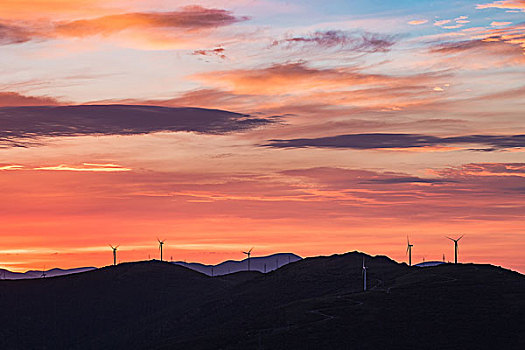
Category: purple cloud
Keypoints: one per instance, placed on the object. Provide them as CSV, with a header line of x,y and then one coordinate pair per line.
x,y
386,141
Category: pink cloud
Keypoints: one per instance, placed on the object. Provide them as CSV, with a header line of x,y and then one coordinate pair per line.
x,y
441,22
506,4
499,24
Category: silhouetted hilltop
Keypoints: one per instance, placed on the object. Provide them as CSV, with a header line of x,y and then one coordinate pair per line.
x,y
258,263
314,303
6,274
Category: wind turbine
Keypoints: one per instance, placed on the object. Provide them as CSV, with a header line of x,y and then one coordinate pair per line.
x,y
409,252
114,254
364,274
43,273
248,253
161,243
455,248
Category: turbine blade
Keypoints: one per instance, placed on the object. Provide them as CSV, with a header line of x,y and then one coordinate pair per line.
x,y
460,237
408,248
452,239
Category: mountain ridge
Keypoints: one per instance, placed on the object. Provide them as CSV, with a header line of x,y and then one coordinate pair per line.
x,y
316,303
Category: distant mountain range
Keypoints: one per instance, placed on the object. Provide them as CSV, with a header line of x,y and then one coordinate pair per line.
x,y
430,263
261,264
9,275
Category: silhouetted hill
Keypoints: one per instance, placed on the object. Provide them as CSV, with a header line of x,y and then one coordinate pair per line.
x,y
6,274
258,263
314,303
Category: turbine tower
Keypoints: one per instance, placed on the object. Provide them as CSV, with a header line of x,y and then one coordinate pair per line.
x,y
114,254
409,252
364,274
248,253
455,248
161,243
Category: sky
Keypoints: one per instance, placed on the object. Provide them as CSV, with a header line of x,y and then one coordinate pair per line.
x,y
308,126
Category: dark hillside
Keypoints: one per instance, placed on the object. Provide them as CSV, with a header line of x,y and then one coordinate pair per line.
x,y
314,303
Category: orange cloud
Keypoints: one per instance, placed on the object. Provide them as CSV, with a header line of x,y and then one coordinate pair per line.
x,y
29,9
142,29
11,99
500,24
418,21
190,18
298,78
506,45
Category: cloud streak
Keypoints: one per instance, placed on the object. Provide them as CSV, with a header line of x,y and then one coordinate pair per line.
x,y
505,4
91,167
22,126
300,78
352,41
12,34
219,52
507,44
402,141
188,20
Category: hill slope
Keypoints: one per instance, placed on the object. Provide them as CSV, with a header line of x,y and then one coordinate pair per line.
x,y
314,303
259,263
9,275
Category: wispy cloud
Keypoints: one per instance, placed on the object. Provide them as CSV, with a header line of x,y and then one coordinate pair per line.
x,y
86,167
300,78
11,167
499,24
13,34
506,44
442,22
218,52
505,4
352,41
486,169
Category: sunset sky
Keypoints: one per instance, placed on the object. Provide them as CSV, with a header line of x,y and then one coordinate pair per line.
x,y
325,127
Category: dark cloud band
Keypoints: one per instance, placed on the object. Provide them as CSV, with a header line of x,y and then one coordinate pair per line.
x,y
388,141
23,125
